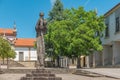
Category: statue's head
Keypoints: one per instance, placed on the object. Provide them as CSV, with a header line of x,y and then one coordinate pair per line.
x,y
41,14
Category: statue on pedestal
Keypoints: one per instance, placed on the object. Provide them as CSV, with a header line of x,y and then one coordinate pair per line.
x,y
40,31
40,73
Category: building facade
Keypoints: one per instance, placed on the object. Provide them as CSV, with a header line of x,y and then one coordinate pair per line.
x,y
24,47
111,40
110,56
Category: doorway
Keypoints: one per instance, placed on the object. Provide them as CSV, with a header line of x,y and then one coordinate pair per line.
x,y
21,56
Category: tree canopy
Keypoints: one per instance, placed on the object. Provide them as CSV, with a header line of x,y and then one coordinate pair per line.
x,y
5,49
57,12
78,33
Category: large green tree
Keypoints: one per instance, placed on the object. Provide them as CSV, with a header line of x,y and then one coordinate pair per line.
x,y
5,49
78,33
56,14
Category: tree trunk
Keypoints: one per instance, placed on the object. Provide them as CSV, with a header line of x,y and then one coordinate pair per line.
x,y
78,62
53,60
0,65
7,63
58,62
68,62
3,60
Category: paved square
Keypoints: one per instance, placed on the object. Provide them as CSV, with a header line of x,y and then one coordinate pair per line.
x,y
64,77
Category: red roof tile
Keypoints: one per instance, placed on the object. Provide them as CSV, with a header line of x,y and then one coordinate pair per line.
x,y
7,32
24,42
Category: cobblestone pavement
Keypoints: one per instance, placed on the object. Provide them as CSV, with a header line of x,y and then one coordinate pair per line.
x,y
64,77
11,76
113,72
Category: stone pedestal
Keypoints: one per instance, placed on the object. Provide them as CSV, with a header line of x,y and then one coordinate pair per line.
x,y
40,74
1,72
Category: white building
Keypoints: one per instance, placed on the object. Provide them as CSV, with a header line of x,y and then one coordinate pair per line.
x,y
24,47
110,56
111,40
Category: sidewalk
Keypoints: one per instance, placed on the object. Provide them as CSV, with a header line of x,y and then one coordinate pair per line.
x,y
64,77
111,72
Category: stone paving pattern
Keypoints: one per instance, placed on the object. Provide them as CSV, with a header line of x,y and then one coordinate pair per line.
x,y
112,72
64,77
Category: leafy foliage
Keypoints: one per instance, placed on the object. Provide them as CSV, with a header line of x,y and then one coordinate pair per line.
x,y
57,12
5,49
78,33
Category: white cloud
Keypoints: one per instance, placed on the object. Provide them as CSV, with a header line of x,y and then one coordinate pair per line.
x,y
52,2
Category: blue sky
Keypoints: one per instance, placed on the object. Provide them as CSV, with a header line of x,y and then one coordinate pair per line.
x,y
26,12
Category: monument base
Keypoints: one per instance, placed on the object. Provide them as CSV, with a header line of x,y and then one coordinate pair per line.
x,y
1,72
40,74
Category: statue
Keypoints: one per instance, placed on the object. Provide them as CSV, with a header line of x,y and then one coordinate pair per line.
x,y
40,73
40,31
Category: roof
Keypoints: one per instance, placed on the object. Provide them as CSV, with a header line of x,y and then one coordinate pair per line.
x,y
8,32
24,42
112,10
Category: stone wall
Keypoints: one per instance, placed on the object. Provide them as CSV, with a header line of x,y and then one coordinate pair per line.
x,y
28,63
53,70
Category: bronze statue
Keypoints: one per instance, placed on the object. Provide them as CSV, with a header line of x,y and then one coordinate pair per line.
x,y
40,30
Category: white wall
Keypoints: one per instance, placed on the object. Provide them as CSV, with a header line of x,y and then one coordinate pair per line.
x,y
111,21
113,39
98,58
116,50
112,25
25,50
11,37
107,55
33,55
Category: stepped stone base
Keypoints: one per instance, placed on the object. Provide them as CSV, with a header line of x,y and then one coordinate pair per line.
x,y
1,72
40,74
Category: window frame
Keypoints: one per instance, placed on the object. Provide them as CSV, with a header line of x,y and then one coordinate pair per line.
x,y
117,25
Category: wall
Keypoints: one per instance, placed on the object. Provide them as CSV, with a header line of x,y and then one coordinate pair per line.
x,y
28,63
111,19
33,55
116,50
25,50
98,59
11,37
91,60
107,55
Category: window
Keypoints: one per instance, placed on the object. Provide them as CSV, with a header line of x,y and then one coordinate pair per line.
x,y
117,25
107,31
